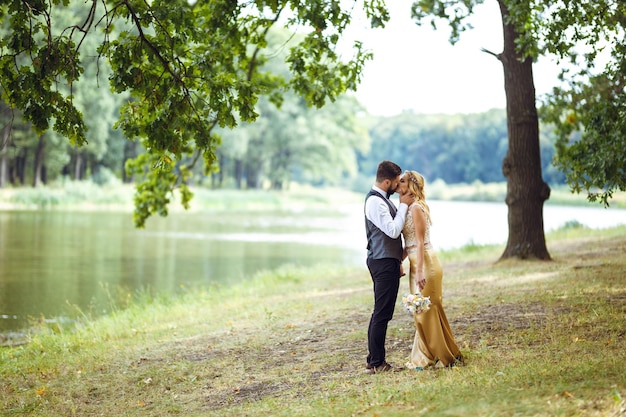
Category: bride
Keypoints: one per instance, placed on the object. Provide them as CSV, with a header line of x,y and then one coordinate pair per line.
x,y
433,340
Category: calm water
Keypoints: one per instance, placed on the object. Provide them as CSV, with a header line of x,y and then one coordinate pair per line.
x,y
53,262
50,261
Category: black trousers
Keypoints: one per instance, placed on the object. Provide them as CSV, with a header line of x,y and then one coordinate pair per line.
x,y
386,279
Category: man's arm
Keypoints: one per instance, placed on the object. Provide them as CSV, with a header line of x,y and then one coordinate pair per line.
x,y
377,211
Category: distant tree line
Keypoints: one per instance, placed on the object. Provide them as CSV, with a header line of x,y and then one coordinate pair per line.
x,y
460,148
335,145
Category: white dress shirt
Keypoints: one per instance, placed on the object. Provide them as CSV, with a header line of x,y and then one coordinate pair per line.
x,y
377,211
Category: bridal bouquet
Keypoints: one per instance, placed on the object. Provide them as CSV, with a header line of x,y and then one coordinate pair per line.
x,y
416,303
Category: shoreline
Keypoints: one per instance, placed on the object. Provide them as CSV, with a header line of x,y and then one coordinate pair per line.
x,y
85,195
292,342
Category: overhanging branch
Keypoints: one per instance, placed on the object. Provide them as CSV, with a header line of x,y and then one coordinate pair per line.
x,y
490,53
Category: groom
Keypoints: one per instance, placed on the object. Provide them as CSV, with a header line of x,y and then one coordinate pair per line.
x,y
383,225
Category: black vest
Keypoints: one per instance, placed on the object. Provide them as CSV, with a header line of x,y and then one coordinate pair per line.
x,y
379,245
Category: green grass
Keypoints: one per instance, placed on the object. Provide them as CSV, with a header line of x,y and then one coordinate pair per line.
x,y
496,192
540,339
114,195
69,194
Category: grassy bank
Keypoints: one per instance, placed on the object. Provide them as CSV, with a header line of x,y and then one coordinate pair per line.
x,y
540,338
85,195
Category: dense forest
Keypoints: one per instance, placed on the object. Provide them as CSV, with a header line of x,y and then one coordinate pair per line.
x,y
335,145
461,148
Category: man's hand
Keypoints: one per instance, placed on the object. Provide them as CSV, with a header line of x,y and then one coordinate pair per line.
x,y
407,198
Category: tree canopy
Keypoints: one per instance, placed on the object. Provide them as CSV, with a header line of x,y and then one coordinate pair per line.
x,y
589,103
589,109
188,68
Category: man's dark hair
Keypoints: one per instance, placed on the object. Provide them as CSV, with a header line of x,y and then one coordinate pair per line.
x,y
387,170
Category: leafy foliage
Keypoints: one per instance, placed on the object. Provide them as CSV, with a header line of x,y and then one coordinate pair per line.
x,y
452,13
454,148
589,110
187,67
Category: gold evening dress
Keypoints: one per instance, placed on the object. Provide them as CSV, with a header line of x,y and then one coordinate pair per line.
x,y
433,340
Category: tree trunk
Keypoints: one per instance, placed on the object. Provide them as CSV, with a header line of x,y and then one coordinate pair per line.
x,y
130,152
220,173
254,165
279,172
238,173
526,190
253,175
39,153
4,157
78,166
17,172
94,168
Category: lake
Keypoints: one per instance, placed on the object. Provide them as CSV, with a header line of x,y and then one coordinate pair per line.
x,y
56,264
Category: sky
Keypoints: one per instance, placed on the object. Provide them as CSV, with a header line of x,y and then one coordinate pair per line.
x,y
415,68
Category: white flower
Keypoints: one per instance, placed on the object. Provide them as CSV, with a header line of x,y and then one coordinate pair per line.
x,y
415,303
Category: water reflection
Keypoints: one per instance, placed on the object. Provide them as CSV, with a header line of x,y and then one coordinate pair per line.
x,y
55,263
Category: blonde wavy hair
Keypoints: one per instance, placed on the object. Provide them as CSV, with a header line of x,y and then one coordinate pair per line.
x,y
416,184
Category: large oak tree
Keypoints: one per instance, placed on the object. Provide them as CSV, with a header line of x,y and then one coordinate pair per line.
x,y
526,189
589,110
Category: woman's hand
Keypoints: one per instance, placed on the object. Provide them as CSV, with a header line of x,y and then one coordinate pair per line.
x,y
421,282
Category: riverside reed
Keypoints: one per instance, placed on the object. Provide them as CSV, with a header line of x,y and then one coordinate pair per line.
x,y
539,338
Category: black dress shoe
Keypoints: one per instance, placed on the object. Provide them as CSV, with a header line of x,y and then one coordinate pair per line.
x,y
383,367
